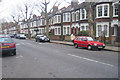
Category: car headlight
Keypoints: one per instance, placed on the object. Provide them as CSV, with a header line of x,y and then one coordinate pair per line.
x,y
103,44
95,44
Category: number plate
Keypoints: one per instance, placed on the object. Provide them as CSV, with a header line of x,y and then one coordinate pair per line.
x,y
5,46
100,47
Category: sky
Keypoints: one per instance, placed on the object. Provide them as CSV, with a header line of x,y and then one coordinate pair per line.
x,y
11,7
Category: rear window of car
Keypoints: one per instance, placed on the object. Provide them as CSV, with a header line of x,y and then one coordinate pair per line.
x,y
90,39
5,40
79,39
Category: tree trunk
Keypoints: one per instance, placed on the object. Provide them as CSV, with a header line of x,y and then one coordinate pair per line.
x,y
29,34
90,20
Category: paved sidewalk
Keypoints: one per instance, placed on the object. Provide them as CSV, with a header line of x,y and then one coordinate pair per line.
x,y
110,48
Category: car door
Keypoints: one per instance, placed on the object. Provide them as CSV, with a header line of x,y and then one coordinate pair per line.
x,y
79,41
84,42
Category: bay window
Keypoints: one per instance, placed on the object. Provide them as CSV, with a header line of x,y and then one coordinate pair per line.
x,y
102,10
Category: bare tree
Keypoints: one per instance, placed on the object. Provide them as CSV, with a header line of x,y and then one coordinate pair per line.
x,y
89,9
26,13
43,6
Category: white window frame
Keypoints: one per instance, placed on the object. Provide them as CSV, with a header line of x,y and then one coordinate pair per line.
x,y
58,18
66,17
108,14
102,24
56,32
66,26
85,17
77,15
114,11
73,16
83,24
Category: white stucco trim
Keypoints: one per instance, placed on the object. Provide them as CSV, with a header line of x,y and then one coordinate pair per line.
x,y
114,22
83,24
75,25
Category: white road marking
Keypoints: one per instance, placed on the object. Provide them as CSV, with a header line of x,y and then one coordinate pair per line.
x,y
22,43
19,56
17,44
91,60
40,43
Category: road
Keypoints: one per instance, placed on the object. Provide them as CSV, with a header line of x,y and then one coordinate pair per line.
x,y
49,60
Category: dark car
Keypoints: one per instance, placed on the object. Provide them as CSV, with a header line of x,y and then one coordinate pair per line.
x,y
88,42
42,38
7,46
12,36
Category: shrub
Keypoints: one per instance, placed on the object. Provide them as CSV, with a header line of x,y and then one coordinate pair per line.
x,y
83,33
50,33
33,36
118,39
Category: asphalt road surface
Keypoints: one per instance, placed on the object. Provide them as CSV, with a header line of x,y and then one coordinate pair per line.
x,y
49,60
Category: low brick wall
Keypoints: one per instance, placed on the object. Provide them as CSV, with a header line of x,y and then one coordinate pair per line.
x,y
54,37
67,38
117,44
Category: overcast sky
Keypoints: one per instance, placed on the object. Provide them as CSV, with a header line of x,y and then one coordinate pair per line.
x,y
10,7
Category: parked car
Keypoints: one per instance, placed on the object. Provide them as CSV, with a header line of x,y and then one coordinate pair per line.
x,y
42,38
22,36
12,36
7,46
17,36
88,42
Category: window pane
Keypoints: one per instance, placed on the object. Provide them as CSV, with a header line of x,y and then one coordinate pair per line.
x,y
83,14
99,30
64,17
105,29
99,11
77,16
59,19
68,30
106,10
68,17
116,10
65,30
58,30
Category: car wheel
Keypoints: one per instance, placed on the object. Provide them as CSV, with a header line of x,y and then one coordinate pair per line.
x,y
89,47
75,45
14,53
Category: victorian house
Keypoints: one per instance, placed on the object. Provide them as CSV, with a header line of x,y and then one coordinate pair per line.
x,y
74,18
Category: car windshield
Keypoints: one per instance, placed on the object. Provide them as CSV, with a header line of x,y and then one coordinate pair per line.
x,y
89,39
5,40
22,35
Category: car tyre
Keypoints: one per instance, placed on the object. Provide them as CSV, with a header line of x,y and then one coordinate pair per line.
x,y
13,54
75,45
89,47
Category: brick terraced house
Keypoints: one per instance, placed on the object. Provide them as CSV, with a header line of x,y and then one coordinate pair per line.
x,y
74,18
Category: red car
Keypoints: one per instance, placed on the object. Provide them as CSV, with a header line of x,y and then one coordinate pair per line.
x,y
7,46
88,42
